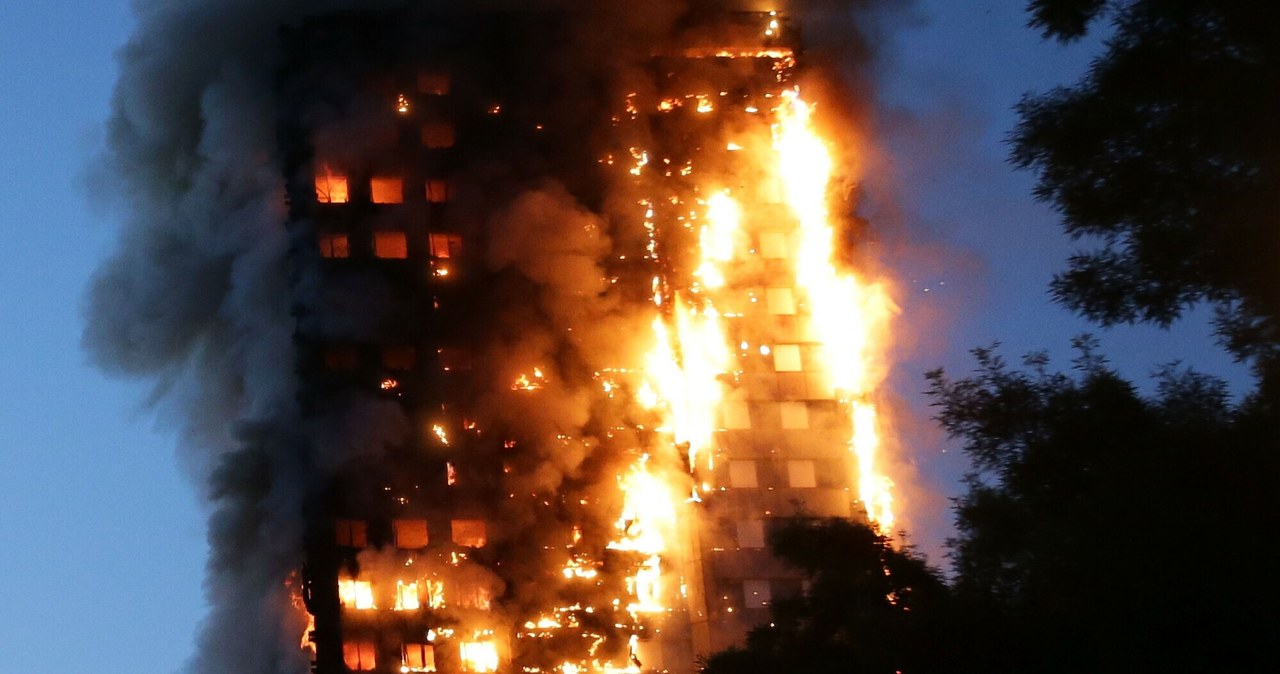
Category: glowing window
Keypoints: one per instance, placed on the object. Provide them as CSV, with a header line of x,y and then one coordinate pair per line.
x,y
794,415
359,656
399,357
773,245
802,474
780,301
386,190
737,415
445,245
355,594
410,534
334,245
390,245
407,598
478,656
437,191
331,189
418,658
352,533
434,591
751,534
469,533
786,358
433,83
742,474
755,593
341,358
437,136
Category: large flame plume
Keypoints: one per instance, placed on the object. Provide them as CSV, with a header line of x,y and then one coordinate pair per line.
x,y
624,338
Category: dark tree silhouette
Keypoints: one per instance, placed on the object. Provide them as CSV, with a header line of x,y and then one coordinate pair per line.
x,y
869,608
1167,157
1103,531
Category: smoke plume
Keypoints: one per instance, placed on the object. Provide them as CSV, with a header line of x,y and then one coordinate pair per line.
x,y
199,297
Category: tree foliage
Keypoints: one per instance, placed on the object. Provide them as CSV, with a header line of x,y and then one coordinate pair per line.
x,y
1105,531
867,609
1167,157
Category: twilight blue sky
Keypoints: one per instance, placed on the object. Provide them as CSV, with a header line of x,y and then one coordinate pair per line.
x,y
103,542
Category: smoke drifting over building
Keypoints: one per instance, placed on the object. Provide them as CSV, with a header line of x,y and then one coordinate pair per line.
x,y
496,335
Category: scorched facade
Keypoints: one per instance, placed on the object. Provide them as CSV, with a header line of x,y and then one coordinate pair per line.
x,y
563,313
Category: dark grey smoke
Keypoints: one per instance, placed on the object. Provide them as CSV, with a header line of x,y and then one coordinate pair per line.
x,y
196,298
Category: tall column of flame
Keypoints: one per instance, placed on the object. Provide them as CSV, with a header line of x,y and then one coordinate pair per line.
x,y
648,513
683,370
845,314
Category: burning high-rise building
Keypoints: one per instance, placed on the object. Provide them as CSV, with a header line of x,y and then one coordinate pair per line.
x,y
561,303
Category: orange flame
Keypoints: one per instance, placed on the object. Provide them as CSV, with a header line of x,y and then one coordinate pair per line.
x,y
846,314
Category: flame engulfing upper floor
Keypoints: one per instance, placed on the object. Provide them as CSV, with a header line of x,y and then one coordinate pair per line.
x,y
554,316
577,332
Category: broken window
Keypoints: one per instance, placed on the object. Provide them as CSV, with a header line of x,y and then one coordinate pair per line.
x,y
755,593
437,191
742,474
341,358
410,534
331,189
359,656
433,83
786,358
802,474
390,245
795,415
445,245
780,301
355,594
751,534
438,135
737,415
469,533
334,245
386,190
418,658
352,533
478,656
399,357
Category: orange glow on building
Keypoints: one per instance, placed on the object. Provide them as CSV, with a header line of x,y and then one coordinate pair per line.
x,y
584,483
